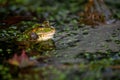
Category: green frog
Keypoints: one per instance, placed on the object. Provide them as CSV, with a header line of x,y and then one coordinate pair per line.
x,y
41,32
39,37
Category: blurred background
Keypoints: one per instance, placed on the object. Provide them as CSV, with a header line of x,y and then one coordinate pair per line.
x,y
54,10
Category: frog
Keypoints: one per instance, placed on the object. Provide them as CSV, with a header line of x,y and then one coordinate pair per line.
x,y
39,37
41,32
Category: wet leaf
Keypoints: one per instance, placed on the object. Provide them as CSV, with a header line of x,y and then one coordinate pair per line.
x,y
22,60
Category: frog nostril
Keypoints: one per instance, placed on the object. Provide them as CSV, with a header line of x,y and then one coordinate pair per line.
x,y
33,36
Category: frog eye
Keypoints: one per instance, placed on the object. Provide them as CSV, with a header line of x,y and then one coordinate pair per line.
x,y
33,36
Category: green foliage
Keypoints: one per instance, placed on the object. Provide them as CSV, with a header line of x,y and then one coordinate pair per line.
x,y
4,73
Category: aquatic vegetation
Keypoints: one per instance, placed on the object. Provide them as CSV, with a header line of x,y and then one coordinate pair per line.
x,y
96,13
5,71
